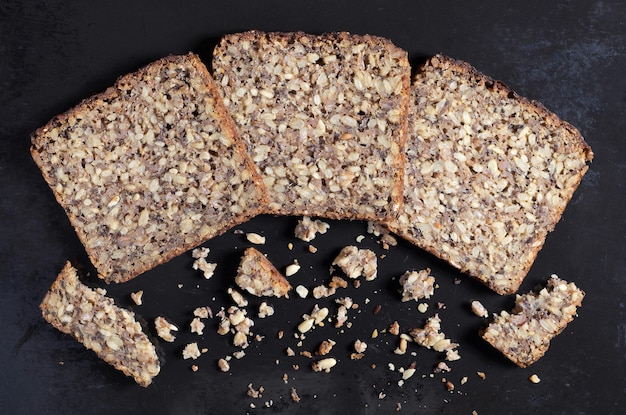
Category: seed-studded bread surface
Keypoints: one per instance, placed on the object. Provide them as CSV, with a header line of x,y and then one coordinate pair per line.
x,y
150,168
95,321
524,335
257,275
324,117
488,173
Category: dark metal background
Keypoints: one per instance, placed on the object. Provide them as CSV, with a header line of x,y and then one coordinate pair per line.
x,y
570,55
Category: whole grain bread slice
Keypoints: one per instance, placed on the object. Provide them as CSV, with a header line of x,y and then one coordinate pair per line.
x,y
324,118
488,173
94,320
150,168
524,335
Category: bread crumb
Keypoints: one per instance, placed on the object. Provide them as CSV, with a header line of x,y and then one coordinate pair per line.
x,y
164,329
481,375
417,285
337,282
394,328
294,395
255,393
322,291
307,229
197,326
265,310
223,365
355,262
194,368
442,367
534,378
191,351
325,347
324,364
137,297
200,263
431,337
237,297
203,312
360,346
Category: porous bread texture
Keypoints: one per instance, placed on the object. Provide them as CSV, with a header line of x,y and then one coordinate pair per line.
x,y
94,320
324,118
524,335
150,168
487,175
257,275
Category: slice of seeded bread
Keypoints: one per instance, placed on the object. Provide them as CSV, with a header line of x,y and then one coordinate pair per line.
x,y
488,173
149,168
524,335
257,275
95,321
324,118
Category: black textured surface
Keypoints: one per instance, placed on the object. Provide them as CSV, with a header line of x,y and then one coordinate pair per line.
x,y
570,55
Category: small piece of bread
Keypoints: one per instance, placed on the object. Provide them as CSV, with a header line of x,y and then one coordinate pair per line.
x,y
524,335
257,275
355,262
324,117
307,229
488,173
417,285
95,321
150,168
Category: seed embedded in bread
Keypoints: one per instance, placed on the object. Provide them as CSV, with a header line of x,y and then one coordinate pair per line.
x,y
150,168
324,118
94,320
524,335
488,173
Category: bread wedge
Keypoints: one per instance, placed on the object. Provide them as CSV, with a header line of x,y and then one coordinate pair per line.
x,y
94,320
